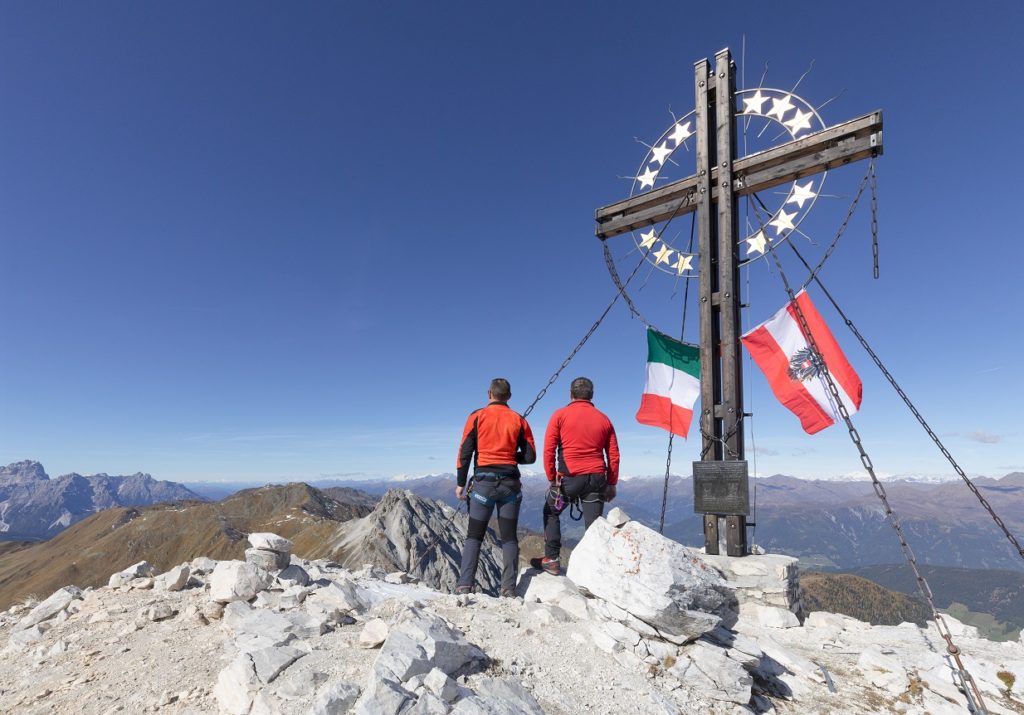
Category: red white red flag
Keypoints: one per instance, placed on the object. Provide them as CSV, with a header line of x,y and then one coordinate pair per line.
x,y
794,370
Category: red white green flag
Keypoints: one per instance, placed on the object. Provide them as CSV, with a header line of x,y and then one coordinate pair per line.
x,y
673,384
794,370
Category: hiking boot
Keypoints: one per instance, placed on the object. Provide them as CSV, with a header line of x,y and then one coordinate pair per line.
x,y
545,564
463,590
506,593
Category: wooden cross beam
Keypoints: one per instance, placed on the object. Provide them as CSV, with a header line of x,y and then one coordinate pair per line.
x,y
713,193
812,154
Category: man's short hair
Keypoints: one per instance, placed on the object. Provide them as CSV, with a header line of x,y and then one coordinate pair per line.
x,y
500,389
582,389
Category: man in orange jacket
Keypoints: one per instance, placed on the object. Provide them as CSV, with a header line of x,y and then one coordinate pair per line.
x,y
501,440
581,460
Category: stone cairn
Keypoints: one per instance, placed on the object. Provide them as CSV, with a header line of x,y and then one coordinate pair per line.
x,y
269,552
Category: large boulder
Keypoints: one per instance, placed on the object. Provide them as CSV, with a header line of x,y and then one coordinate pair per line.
x,y
656,580
58,601
237,581
423,642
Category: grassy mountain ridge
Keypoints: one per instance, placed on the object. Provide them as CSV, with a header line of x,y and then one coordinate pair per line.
x,y
861,599
87,553
999,593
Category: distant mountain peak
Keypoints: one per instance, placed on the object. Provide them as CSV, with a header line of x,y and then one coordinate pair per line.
x,y
25,471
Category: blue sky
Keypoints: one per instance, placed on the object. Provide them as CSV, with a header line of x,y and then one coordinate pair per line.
x,y
251,241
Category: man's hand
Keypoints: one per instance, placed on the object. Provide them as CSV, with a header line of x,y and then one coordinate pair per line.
x,y
458,493
609,492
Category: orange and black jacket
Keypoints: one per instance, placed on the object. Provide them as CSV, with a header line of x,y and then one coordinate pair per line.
x,y
500,438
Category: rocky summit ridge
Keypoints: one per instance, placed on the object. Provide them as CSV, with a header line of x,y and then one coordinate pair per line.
x,y
640,624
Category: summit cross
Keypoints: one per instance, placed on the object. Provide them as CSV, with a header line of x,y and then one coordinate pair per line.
x,y
721,476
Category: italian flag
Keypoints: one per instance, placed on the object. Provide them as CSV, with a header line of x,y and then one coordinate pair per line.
x,y
673,384
793,369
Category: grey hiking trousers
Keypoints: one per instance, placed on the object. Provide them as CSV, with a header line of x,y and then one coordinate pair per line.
x,y
505,495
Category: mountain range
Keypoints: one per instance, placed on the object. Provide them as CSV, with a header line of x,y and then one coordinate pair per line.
x,y
832,525
33,506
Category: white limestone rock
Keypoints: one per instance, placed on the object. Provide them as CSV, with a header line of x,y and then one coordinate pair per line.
x,y
882,670
237,581
382,696
617,518
374,633
424,642
202,565
335,699
57,603
159,612
706,668
267,560
270,542
438,682
237,686
32,634
271,662
294,575
760,616
655,579
173,579
499,696
428,704
341,593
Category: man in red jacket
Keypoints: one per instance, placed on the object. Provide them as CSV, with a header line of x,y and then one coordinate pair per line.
x,y
496,440
581,460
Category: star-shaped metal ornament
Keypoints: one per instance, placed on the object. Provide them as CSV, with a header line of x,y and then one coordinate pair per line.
x,y
780,107
782,222
659,153
756,243
680,133
801,194
647,178
752,105
649,238
683,263
799,122
663,254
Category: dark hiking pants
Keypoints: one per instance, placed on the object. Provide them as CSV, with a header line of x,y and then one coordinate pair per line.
x,y
590,490
504,495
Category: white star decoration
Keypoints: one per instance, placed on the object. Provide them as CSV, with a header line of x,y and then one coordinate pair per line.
x,y
659,153
800,121
664,254
756,243
681,132
782,222
649,238
780,107
684,263
752,105
800,194
647,178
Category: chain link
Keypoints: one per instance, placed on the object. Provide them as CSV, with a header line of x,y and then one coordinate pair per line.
x,y
874,215
908,554
593,328
917,415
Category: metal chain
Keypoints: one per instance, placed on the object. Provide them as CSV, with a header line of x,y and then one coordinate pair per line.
x,y
917,415
593,328
868,176
874,216
671,434
922,583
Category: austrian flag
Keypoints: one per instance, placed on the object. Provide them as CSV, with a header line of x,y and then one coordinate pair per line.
x,y
673,384
794,370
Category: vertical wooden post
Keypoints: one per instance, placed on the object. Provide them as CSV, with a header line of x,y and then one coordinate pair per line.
x,y
721,364
707,248
729,287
